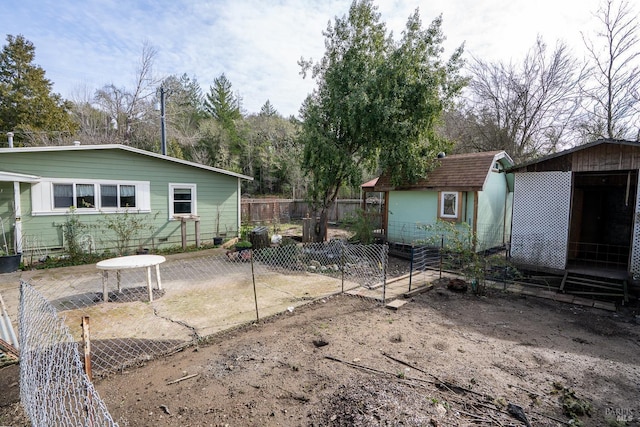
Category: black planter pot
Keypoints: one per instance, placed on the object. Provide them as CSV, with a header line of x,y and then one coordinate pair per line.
x,y
10,263
217,241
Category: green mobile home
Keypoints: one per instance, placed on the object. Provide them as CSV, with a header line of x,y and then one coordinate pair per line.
x,y
41,186
463,188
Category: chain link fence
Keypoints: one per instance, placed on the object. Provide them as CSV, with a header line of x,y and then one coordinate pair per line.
x,y
202,294
54,389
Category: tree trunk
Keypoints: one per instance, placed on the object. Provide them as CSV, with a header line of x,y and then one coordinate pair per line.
x,y
320,229
314,229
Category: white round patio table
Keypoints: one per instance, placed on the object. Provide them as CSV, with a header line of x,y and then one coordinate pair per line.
x,y
129,262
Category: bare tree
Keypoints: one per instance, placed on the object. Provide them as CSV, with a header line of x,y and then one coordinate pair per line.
x,y
612,90
125,107
184,108
525,110
95,124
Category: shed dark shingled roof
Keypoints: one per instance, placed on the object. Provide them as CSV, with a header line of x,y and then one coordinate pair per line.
x,y
460,172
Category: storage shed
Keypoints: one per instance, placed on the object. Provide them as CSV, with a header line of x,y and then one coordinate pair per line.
x,y
576,211
469,188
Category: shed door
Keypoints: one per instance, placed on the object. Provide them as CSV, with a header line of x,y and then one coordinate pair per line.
x,y
602,219
540,225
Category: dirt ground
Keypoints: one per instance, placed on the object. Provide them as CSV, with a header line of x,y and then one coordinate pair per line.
x,y
443,359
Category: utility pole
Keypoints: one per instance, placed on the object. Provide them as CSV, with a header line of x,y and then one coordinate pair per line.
x,y
163,130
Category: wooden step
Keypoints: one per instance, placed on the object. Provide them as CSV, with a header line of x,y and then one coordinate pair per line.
x,y
581,284
396,304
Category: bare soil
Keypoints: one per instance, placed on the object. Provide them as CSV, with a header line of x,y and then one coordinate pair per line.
x,y
443,359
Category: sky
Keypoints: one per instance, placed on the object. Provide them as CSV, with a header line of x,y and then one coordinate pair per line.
x,y
85,44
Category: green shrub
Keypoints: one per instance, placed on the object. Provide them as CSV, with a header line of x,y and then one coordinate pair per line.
x,y
72,229
457,246
126,226
243,244
361,226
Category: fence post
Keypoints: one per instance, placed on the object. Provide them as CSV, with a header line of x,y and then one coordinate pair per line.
x,y
411,266
86,345
506,266
183,232
253,277
385,254
441,249
197,231
342,265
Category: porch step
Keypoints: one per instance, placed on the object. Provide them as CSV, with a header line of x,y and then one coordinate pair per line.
x,y
594,286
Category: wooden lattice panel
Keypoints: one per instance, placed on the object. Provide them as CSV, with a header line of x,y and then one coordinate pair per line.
x,y
541,209
634,268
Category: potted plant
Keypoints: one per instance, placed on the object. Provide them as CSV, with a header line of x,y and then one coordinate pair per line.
x,y
9,258
217,239
141,249
243,250
243,245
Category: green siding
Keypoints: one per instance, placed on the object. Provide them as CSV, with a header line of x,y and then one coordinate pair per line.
x,y
508,217
413,206
468,203
492,212
213,190
409,210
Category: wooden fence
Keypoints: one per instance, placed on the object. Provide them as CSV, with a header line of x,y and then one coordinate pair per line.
x,y
267,211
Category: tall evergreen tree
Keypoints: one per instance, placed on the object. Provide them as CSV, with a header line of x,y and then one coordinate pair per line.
x,y
220,102
268,110
27,104
224,108
377,103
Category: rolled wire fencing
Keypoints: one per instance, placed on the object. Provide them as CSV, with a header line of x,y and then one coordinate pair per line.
x,y
54,388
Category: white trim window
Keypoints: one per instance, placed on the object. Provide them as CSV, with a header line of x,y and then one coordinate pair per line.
x,y
449,204
182,200
82,196
53,196
113,196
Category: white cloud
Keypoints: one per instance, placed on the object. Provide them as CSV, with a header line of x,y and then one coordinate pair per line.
x,y
257,44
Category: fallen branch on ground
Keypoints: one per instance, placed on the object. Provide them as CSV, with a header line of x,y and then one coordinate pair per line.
x,y
182,379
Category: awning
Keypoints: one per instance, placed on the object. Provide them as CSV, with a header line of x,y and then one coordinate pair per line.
x,y
17,177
